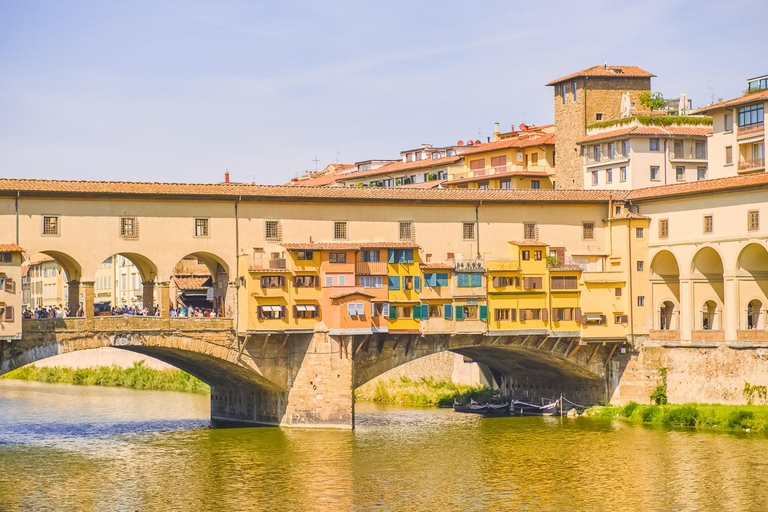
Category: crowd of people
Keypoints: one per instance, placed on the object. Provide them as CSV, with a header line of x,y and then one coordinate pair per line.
x,y
41,312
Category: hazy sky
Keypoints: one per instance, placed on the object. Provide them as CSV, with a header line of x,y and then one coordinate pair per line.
x,y
182,90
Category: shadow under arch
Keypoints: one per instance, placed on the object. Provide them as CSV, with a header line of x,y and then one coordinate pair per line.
x,y
752,259
665,265
146,267
211,261
70,266
707,262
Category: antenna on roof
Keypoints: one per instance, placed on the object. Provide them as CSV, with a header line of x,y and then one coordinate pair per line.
x,y
338,152
605,65
316,160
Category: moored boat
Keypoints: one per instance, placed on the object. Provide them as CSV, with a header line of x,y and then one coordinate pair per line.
x,y
519,408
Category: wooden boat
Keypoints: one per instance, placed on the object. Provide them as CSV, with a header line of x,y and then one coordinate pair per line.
x,y
476,408
519,408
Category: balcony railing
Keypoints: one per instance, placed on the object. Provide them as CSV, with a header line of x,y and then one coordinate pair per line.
x,y
605,159
501,169
752,165
688,152
371,268
468,265
752,129
277,263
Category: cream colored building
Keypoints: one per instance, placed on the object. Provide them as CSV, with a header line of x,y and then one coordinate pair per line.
x,y
44,283
10,292
633,153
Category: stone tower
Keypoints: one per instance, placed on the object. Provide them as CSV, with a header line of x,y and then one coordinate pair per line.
x,y
584,98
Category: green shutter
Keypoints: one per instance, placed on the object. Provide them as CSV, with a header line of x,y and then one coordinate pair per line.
x,y
401,256
463,281
392,312
459,312
417,283
430,280
394,282
417,312
475,280
447,311
483,313
408,255
425,311
391,258
442,279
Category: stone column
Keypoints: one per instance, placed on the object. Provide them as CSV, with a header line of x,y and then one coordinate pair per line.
x,y
687,313
88,295
148,295
730,316
74,297
165,298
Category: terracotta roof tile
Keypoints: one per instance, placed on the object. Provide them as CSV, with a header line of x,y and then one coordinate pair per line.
x,y
10,248
628,215
643,130
443,265
352,293
401,166
191,282
387,245
528,243
235,191
425,184
748,98
702,186
323,246
606,71
328,177
517,142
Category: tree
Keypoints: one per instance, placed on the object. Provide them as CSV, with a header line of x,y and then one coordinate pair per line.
x,y
652,100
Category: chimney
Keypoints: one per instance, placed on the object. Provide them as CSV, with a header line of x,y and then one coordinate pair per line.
x,y
226,177
496,132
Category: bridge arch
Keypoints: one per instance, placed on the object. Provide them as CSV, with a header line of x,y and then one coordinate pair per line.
x,y
752,275
708,289
202,272
665,290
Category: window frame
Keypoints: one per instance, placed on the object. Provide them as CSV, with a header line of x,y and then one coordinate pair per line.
x,y
43,224
753,215
207,224
472,231
337,228
584,230
334,258
123,223
709,224
410,227
277,235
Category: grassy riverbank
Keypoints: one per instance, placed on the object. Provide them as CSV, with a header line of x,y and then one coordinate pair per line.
x,y
423,391
137,376
752,418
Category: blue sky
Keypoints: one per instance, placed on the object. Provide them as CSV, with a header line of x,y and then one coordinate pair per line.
x,y
183,90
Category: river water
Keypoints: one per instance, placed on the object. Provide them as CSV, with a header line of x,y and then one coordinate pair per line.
x,y
86,448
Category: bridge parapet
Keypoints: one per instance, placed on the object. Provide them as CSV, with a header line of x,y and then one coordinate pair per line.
x,y
126,323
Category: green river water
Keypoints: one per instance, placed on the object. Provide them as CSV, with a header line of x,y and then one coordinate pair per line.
x,y
85,448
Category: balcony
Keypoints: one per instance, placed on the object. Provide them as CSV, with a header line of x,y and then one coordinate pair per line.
x,y
503,169
752,165
589,160
688,152
371,268
750,130
470,265
277,263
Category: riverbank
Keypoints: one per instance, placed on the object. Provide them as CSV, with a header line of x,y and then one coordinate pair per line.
x,y
138,376
749,418
425,391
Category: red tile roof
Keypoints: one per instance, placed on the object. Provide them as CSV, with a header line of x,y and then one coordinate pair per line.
x,y
424,184
400,167
443,265
281,193
191,282
10,248
486,177
606,71
545,139
387,245
749,181
347,246
528,243
326,177
644,130
741,100
352,293
628,215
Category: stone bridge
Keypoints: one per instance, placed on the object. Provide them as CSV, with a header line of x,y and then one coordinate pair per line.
x,y
308,378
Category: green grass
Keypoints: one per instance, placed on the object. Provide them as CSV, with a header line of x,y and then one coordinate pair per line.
x,y
655,121
753,418
137,376
425,391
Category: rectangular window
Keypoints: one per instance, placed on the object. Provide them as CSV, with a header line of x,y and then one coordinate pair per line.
x,y
609,175
573,86
708,224
202,228
653,144
484,185
641,300
562,92
407,232
328,281
753,114
435,280
500,314
337,257
618,292
477,165
701,173
499,163
356,309
612,150
305,281
526,255
728,123
505,184
407,282
6,257
599,116
595,179
370,256
532,283
597,153
753,220
305,311
588,230
530,231
340,230
400,256
129,228
342,280
305,255
468,230
272,312
699,151
535,184
530,314
272,281
564,282
680,173
51,225
640,266
639,233
654,173
622,174
625,148
728,155
273,231
537,255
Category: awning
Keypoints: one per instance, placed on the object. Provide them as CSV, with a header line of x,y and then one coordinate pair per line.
x,y
271,308
751,140
306,307
589,317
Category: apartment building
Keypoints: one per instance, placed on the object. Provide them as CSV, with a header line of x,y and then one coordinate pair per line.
x,y
10,292
43,283
737,142
638,152
585,97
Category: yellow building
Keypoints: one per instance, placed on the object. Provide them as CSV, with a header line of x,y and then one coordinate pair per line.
x,y
523,159
404,284
10,292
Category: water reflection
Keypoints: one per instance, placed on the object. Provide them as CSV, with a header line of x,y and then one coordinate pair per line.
x,y
73,448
